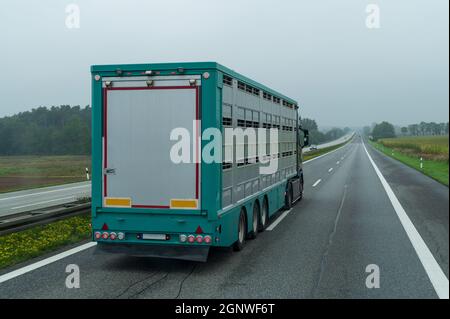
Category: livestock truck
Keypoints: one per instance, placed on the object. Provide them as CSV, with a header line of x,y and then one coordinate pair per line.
x,y
148,202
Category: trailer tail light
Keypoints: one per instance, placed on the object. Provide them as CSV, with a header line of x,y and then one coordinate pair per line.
x,y
199,239
97,235
191,239
207,239
183,238
121,236
113,236
105,235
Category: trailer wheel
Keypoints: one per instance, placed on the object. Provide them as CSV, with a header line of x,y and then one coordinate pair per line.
x,y
242,232
264,215
288,198
255,221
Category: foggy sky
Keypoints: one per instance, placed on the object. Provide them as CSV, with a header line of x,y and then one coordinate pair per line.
x,y
319,52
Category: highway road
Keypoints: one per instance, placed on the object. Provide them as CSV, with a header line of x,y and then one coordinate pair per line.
x,y
38,198
21,201
361,211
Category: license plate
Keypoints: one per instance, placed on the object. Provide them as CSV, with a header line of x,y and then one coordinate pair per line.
x,y
154,236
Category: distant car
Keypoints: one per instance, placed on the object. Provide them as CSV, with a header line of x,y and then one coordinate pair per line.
x,y
313,147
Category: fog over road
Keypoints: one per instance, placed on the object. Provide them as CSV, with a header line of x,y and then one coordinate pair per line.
x,y
320,249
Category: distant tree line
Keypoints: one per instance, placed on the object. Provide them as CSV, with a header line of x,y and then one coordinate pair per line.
x,y
59,130
318,137
383,130
387,130
66,130
425,128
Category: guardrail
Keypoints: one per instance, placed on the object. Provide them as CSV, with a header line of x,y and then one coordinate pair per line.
x,y
24,220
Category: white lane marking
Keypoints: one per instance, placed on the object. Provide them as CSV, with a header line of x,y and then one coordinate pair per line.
x,y
338,162
45,262
431,266
329,171
278,220
44,202
46,192
317,183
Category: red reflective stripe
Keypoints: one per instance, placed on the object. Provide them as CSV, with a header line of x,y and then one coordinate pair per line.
x,y
152,88
105,114
196,143
197,169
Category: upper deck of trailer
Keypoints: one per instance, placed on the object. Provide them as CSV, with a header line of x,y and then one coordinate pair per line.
x,y
188,68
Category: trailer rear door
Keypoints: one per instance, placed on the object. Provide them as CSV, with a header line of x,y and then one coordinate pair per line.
x,y
138,120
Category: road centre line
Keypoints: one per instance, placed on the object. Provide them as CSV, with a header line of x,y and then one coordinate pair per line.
x,y
317,183
278,220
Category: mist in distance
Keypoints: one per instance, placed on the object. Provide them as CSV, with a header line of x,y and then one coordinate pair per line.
x,y
320,53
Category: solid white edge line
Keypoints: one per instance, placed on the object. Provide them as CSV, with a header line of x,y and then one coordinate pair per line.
x,y
429,263
45,262
317,183
278,220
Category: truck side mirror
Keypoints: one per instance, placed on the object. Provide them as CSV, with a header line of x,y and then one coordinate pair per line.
x,y
305,138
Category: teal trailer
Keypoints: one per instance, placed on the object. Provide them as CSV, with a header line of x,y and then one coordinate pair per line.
x,y
145,203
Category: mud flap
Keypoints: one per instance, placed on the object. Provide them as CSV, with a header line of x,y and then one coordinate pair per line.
x,y
296,191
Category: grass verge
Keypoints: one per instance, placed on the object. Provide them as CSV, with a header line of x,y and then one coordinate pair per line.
x,y
26,172
437,170
21,246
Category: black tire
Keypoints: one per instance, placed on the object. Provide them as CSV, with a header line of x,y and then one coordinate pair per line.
x,y
288,199
242,232
255,221
264,217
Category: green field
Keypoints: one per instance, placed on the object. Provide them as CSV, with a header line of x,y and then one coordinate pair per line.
x,y
432,149
25,172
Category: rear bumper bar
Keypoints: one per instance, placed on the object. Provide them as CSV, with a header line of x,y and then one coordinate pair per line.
x,y
159,251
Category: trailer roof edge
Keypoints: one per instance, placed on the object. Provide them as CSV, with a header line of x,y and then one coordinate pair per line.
x,y
191,66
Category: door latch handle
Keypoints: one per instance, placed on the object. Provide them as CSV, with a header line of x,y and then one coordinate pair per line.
x,y
110,171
